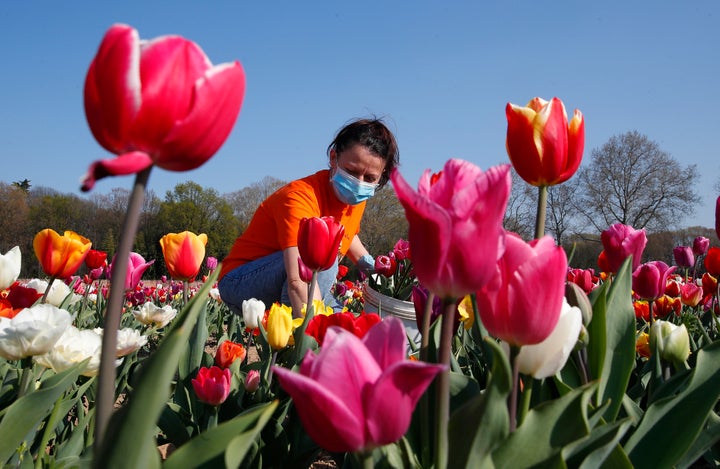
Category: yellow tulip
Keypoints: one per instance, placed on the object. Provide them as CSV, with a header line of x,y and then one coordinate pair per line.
x,y
184,253
320,308
279,326
467,315
60,256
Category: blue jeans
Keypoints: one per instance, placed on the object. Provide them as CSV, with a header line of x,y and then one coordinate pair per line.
x,y
265,279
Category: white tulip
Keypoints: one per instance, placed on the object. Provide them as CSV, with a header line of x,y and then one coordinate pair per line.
x,y
58,292
33,331
10,263
549,356
128,340
152,314
672,341
253,310
74,346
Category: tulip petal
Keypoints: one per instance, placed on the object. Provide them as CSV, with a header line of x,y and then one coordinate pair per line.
x,y
387,341
128,163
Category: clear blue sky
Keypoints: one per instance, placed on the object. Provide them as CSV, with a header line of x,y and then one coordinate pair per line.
x,y
440,72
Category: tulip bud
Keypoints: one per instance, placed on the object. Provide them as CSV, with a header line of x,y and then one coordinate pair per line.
x,y
252,311
252,381
575,296
684,257
212,385
700,245
672,342
318,241
279,326
305,272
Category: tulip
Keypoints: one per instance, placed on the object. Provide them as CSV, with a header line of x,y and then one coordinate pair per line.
x,y
456,223
690,294
228,352
129,340
60,256
279,326
304,271
358,394
620,241
709,285
319,325
649,279
584,278
642,345
57,294
543,147
319,307
158,102
385,265
33,331
183,253
712,261
319,241
672,287
700,245
135,269
252,311
73,347
211,263
717,217
401,250
151,314
672,342
16,298
684,257
666,305
212,385
252,381
95,259
10,264
549,356
523,303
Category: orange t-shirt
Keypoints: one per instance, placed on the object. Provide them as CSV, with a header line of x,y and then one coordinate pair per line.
x,y
275,225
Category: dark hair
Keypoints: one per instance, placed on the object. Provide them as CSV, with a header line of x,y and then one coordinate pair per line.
x,y
373,135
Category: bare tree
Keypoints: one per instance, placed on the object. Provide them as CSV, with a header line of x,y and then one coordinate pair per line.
x,y
630,180
383,222
521,207
562,210
245,201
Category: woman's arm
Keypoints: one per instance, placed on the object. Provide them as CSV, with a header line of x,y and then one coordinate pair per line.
x,y
297,289
356,250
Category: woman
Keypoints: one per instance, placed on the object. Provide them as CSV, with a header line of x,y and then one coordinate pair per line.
x,y
263,262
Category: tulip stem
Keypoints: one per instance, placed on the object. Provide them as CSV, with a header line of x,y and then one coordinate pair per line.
x,y
47,290
424,402
513,399
27,376
309,313
443,383
525,398
106,376
541,212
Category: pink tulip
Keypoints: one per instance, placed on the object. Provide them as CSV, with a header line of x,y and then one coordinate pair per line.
x,y
700,245
358,394
158,101
455,223
135,269
212,385
684,257
252,381
620,241
650,279
523,303
691,294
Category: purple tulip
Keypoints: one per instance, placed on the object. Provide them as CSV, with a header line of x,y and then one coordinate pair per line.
x,y
684,257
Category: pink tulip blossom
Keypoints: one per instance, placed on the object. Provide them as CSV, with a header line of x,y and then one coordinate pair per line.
x,y
650,279
455,220
620,241
684,257
523,303
212,385
158,102
700,245
358,394
135,269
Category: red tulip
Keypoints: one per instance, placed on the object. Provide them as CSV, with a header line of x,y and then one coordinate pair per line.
x,y
319,241
523,303
650,279
385,265
158,102
95,259
358,394
319,324
212,385
456,223
184,253
60,256
665,305
305,273
712,261
717,217
401,249
584,278
620,241
228,352
543,147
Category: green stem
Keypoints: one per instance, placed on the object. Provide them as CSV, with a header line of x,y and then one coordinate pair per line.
x,y
273,359
185,292
513,399
443,383
541,211
364,459
525,397
309,314
49,428
27,376
424,401
106,376
213,417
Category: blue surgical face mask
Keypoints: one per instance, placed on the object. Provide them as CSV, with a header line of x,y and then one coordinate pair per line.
x,y
350,189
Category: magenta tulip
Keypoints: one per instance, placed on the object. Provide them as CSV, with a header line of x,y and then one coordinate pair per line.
x,y
158,101
455,223
649,279
684,257
212,385
700,245
620,241
523,303
358,394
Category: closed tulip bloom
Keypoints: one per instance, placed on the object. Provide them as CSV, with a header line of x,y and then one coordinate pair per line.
x,y
684,257
33,331
60,256
252,381
544,148
549,356
401,250
95,259
523,303
650,279
228,352
212,385
158,102
691,294
712,261
184,253
358,394
10,264
700,245
671,341
135,270
319,240
455,221
385,265
304,271
252,311
211,263
620,241
279,326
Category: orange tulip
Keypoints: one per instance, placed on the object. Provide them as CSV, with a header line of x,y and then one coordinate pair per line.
x,y
184,253
228,352
60,256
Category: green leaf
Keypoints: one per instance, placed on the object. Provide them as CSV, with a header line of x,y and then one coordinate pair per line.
x,y
611,348
480,425
26,413
707,438
130,437
657,442
192,357
232,438
595,449
546,430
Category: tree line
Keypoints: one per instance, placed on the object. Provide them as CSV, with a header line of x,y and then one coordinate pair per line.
x,y
628,180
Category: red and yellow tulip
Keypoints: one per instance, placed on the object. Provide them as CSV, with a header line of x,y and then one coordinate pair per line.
x,y
60,256
184,253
